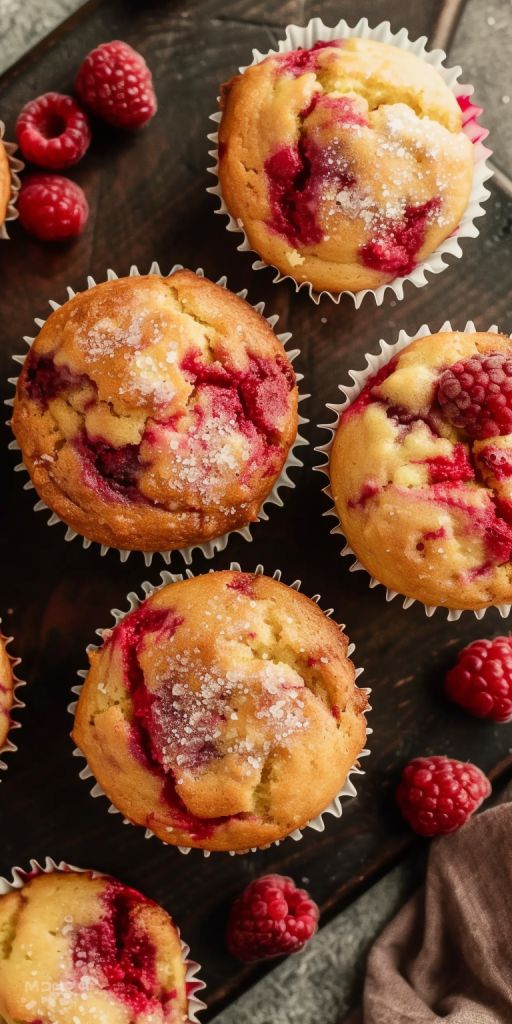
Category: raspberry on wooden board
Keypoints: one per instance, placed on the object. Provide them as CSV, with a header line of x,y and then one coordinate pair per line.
x,y
53,131
115,83
272,917
437,795
481,680
52,208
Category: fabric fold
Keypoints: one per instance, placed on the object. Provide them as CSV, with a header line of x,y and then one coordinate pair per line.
x,y
447,955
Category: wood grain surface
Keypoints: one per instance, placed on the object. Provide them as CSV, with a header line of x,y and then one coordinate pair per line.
x,y
148,201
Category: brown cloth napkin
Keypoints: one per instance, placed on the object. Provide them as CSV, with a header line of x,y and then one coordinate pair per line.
x,y
447,956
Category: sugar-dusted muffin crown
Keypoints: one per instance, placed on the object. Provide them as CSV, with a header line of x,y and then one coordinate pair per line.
x,y
222,713
84,949
423,489
346,163
153,413
6,691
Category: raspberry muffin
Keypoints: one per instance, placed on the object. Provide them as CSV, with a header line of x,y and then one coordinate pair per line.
x,y
210,709
84,949
345,164
155,413
421,471
6,692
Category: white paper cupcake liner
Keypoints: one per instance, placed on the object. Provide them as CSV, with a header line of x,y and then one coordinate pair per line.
x,y
335,807
350,392
15,166
9,747
193,983
315,31
209,547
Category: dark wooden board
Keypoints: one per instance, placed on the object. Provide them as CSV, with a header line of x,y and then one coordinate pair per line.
x,y
148,201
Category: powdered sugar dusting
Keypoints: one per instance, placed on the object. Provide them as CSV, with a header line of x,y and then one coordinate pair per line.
x,y
197,702
328,175
209,453
188,434
200,712
410,140
150,376
112,958
106,337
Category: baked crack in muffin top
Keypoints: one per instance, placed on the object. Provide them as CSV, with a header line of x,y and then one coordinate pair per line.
x,y
153,413
79,949
345,164
421,471
222,713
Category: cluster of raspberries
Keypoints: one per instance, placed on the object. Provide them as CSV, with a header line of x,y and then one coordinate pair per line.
x,y
436,795
113,83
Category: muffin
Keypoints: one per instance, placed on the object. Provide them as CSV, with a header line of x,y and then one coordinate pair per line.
x,y
345,164
421,471
5,182
10,167
6,692
222,713
154,413
84,949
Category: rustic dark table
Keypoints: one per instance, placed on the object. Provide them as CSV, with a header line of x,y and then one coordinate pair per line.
x,y
148,201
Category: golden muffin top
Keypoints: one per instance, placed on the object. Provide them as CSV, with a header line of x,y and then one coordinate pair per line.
x,y
153,413
421,471
80,949
345,164
222,713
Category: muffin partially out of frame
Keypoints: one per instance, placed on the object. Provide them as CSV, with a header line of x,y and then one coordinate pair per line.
x,y
155,413
85,949
6,692
222,713
5,182
421,471
345,164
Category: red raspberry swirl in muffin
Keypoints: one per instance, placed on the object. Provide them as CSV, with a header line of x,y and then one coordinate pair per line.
x,y
84,949
421,471
209,707
346,164
154,413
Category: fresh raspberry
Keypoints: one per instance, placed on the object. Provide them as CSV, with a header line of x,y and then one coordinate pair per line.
x,y
437,795
52,208
115,82
476,395
481,681
271,918
53,131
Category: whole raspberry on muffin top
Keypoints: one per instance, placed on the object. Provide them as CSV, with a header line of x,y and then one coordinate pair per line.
x,y
6,692
86,949
222,713
346,164
153,413
421,471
